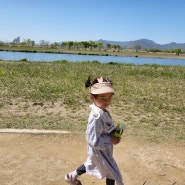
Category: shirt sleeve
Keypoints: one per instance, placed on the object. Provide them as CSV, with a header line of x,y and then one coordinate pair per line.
x,y
95,134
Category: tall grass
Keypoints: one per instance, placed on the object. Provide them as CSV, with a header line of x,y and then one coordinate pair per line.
x,y
150,98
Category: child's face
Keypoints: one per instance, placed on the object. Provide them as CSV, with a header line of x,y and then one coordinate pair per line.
x,y
102,100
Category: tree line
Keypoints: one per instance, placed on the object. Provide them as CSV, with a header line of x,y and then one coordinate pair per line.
x,y
84,45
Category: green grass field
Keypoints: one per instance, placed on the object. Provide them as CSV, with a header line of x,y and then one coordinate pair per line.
x,y
149,98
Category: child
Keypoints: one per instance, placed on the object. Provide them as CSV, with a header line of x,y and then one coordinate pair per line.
x,y
100,137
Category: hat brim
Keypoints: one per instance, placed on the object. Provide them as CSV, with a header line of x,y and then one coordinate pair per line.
x,y
101,88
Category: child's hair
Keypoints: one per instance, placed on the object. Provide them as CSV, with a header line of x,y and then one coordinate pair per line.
x,y
89,82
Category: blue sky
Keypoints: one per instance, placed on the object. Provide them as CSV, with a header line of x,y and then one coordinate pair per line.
x,y
83,20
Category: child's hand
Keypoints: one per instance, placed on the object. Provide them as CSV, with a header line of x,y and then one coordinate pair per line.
x,y
115,140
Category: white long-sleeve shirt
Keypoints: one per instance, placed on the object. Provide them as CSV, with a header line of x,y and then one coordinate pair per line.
x,y
100,161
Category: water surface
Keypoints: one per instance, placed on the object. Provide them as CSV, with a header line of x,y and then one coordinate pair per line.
x,y
50,57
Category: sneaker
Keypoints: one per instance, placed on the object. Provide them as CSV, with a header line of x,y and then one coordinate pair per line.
x,y
69,179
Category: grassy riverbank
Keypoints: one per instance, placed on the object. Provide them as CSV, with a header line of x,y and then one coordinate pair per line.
x,y
149,98
102,52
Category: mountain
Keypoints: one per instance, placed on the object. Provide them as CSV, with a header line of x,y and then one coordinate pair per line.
x,y
145,44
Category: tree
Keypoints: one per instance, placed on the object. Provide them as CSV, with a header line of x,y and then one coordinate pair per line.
x,y
86,44
76,45
44,43
177,51
137,47
99,45
54,45
92,45
28,42
108,46
70,44
64,44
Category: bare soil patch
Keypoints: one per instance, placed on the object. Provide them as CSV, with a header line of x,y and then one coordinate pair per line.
x,y
44,159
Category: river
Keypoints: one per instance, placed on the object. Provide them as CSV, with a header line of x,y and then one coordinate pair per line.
x,y
49,57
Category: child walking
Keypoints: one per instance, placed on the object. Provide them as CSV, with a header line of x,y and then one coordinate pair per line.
x,y
100,136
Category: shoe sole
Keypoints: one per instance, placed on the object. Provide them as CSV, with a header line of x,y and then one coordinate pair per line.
x,y
78,181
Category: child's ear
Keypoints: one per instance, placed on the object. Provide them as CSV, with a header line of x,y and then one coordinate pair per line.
x,y
91,97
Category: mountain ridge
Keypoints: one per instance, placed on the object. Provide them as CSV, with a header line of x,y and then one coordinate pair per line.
x,y
144,44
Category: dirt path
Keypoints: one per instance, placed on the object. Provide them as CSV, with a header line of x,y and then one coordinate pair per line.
x,y
43,159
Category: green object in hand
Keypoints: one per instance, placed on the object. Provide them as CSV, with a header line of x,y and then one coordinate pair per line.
x,y
118,131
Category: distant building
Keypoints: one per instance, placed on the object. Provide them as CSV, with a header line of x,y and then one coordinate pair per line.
x,y
16,40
